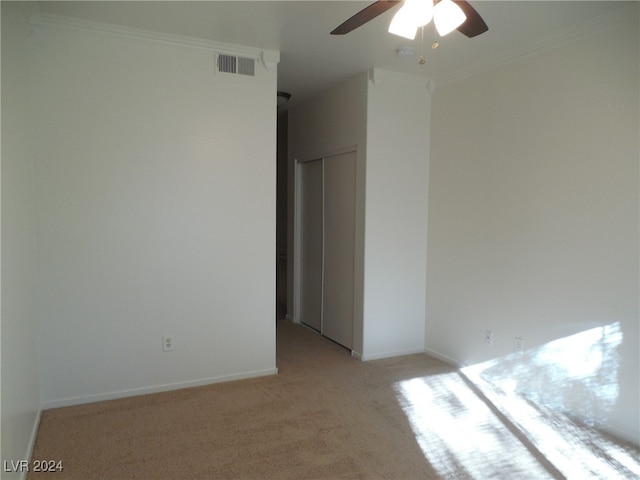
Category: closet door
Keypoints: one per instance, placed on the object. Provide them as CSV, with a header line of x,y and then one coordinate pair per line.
x,y
311,235
339,247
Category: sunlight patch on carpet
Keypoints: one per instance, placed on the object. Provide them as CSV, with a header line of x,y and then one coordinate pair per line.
x,y
459,434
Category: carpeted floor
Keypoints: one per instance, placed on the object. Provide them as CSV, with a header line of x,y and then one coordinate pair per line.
x,y
324,416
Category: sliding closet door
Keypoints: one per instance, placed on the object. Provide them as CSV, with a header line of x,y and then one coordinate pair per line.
x,y
311,235
339,247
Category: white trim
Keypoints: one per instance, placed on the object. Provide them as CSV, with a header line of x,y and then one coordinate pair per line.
x,y
297,239
323,256
619,433
331,153
396,353
22,475
341,151
33,8
297,215
614,18
269,58
66,402
32,441
444,358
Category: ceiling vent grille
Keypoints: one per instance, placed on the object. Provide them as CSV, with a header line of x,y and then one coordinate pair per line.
x,y
236,65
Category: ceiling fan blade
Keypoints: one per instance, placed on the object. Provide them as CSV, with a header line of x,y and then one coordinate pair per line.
x,y
365,15
474,24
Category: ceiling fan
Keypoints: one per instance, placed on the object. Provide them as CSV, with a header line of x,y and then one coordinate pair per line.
x,y
448,15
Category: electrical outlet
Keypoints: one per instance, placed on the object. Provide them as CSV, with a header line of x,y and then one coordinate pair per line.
x,y
488,337
518,345
168,343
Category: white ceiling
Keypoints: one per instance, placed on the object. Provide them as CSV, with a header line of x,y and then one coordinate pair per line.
x,y
312,60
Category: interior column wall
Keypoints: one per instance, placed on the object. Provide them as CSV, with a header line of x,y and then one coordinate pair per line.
x,y
398,125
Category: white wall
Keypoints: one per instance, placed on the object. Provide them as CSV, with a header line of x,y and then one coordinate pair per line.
x,y
533,218
156,199
334,120
20,403
396,214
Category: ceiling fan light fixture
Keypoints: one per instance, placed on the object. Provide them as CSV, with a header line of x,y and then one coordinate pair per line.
x,y
447,16
421,11
403,24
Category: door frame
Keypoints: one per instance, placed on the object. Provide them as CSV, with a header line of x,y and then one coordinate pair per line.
x,y
298,242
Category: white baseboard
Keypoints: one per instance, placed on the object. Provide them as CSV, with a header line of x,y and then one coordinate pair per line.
x,y
67,402
398,353
19,469
619,433
32,441
444,358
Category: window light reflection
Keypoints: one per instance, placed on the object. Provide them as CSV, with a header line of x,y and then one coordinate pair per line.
x,y
576,375
506,418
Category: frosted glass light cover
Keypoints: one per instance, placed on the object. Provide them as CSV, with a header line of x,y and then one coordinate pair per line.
x,y
421,11
447,16
403,24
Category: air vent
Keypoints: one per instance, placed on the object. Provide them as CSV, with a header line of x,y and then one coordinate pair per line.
x,y
237,65
246,66
227,63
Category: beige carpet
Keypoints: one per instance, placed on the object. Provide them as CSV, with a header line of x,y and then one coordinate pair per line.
x,y
325,415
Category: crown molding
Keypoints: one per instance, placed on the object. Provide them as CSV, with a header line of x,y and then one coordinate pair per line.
x,y
33,8
616,18
269,58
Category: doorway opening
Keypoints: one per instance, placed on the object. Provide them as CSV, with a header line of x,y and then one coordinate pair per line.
x,y
282,179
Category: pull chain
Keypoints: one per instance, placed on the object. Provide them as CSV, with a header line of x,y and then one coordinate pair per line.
x,y
421,60
435,43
